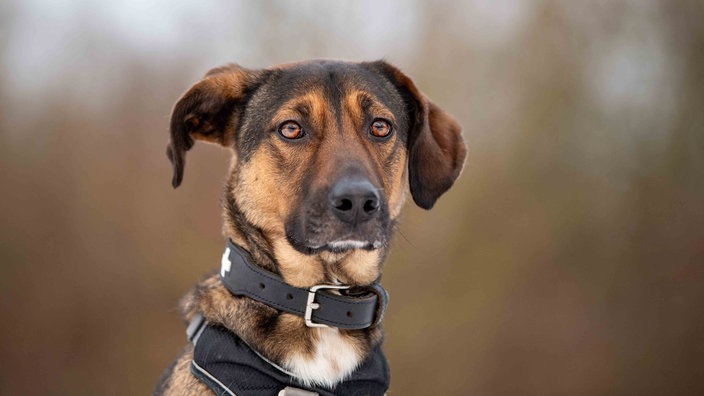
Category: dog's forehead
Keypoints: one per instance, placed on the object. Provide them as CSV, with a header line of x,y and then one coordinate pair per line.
x,y
326,71
333,79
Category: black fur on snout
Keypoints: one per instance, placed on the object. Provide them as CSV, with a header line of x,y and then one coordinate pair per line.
x,y
351,212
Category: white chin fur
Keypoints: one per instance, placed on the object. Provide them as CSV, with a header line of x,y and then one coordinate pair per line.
x,y
332,361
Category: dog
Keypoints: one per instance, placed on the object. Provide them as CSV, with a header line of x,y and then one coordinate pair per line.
x,y
323,155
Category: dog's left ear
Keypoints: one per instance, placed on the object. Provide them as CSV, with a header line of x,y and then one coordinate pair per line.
x,y
210,111
436,151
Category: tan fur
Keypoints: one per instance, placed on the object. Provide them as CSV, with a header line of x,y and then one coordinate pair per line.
x,y
360,266
298,269
313,102
259,192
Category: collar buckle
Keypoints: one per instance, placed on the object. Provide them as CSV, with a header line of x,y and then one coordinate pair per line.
x,y
311,304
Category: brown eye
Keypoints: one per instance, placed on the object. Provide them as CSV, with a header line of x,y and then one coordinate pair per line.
x,y
290,130
380,128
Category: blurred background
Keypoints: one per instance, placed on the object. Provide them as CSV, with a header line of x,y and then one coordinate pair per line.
x,y
568,259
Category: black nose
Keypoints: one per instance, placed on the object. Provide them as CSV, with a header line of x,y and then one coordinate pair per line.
x,y
354,200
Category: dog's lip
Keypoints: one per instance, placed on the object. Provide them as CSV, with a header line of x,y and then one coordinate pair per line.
x,y
348,244
342,245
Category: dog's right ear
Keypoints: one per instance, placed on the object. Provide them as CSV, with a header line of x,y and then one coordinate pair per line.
x,y
210,111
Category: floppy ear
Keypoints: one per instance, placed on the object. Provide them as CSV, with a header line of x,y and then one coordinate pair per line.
x,y
436,151
210,110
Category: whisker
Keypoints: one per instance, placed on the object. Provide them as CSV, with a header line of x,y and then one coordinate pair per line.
x,y
406,239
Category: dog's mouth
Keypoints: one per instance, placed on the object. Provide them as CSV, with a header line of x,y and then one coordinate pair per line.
x,y
335,246
342,246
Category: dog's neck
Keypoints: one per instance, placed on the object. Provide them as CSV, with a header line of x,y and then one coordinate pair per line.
x,y
245,234
321,356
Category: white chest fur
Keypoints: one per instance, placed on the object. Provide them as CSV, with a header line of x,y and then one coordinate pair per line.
x,y
333,359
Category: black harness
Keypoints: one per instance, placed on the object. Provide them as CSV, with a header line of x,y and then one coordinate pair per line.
x,y
228,366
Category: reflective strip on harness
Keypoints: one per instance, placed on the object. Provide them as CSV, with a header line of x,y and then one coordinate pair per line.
x,y
208,379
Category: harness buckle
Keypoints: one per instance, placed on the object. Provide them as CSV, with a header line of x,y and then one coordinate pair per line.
x,y
311,304
195,328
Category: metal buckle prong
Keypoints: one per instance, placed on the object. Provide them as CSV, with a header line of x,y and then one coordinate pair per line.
x,y
311,304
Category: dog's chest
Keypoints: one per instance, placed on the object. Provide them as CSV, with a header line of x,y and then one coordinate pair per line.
x,y
333,359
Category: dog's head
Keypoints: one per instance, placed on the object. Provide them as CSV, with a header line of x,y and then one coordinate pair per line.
x,y
323,154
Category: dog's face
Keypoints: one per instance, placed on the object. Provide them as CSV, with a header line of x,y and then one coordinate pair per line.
x,y
323,156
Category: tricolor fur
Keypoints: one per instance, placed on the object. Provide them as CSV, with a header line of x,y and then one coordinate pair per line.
x,y
277,199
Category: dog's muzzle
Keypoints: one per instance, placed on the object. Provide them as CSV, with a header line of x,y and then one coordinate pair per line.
x,y
351,213
354,200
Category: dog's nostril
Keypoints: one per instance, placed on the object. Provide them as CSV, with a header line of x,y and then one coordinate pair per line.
x,y
344,205
370,206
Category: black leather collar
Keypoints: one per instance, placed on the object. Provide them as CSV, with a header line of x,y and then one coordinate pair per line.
x,y
318,307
